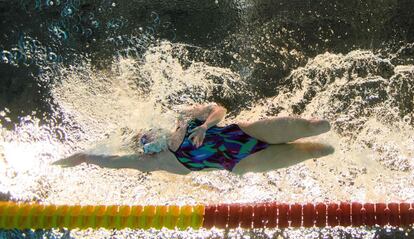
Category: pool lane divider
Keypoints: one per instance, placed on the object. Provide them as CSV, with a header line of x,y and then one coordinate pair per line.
x,y
15,215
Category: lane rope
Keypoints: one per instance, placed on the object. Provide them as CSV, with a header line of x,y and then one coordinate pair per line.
x,y
19,215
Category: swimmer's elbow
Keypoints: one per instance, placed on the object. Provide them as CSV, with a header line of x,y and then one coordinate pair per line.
x,y
221,109
224,112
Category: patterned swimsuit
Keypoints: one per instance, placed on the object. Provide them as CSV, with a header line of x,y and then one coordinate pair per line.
x,y
222,148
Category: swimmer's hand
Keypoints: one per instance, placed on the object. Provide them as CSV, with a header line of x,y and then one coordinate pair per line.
x,y
198,134
71,161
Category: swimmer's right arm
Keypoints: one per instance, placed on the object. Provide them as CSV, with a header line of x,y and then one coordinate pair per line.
x,y
211,114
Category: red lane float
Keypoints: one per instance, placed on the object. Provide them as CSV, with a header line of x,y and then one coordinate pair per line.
x,y
333,214
222,216
246,216
345,214
309,215
234,216
368,214
321,215
295,215
259,220
271,215
356,214
282,215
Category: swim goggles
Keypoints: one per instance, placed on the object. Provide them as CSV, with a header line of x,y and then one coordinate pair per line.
x,y
144,139
149,147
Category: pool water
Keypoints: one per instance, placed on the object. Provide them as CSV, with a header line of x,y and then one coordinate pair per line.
x,y
87,74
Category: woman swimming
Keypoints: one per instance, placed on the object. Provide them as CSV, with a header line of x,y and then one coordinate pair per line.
x,y
198,144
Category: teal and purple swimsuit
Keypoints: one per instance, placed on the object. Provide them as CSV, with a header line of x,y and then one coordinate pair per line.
x,y
222,148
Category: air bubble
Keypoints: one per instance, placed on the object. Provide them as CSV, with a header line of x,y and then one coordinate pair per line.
x,y
95,24
28,121
75,19
91,16
88,32
51,28
76,29
6,57
63,35
406,119
17,55
119,41
67,11
140,47
150,31
60,134
52,56
36,44
166,25
41,50
76,3
132,53
155,17
38,5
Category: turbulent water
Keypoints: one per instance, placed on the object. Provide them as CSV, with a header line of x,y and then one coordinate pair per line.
x,y
85,74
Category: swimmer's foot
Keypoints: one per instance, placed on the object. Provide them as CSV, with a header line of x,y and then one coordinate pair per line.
x,y
320,126
316,150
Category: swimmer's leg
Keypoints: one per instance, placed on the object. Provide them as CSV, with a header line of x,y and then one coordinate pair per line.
x,y
281,156
284,129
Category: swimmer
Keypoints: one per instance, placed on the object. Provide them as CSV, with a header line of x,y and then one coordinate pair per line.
x,y
198,144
